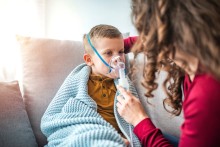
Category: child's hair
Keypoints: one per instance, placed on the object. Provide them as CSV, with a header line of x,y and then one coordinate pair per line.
x,y
164,26
100,31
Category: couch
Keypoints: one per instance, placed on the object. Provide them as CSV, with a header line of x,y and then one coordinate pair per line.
x,y
44,65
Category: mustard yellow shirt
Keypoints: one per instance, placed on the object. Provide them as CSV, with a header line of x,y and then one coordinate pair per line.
x,y
102,90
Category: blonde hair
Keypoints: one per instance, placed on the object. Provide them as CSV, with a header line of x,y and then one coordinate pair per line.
x,y
100,31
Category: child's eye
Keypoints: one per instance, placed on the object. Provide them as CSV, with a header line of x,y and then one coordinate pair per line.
x,y
121,52
108,53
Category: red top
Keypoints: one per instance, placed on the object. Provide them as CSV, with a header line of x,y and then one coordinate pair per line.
x,y
128,42
201,108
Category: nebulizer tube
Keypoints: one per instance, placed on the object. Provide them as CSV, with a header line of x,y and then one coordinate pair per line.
x,y
123,82
119,66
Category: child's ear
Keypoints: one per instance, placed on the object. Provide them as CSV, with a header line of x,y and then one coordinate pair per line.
x,y
88,59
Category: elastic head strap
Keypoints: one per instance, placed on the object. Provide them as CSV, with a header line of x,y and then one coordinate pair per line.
x,y
94,49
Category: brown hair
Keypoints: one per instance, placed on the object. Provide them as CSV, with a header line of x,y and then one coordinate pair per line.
x,y
164,26
100,31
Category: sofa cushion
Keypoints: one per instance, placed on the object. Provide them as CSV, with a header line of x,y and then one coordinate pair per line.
x,y
45,64
15,128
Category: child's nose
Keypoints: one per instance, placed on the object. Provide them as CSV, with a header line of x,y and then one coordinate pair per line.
x,y
115,60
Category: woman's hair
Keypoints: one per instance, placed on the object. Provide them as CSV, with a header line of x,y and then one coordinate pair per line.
x,y
164,26
100,31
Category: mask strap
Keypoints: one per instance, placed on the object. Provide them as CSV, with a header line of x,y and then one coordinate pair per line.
x,y
94,49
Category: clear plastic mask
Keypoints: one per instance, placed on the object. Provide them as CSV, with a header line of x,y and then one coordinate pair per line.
x,y
116,65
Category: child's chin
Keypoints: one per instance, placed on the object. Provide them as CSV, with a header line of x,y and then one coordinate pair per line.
x,y
113,76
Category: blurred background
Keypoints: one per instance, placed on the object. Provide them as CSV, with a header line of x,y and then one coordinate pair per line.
x,y
56,19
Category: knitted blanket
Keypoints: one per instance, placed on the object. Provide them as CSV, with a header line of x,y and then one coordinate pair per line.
x,y
71,119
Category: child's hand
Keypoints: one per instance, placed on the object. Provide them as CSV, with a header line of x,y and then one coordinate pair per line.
x,y
126,141
130,107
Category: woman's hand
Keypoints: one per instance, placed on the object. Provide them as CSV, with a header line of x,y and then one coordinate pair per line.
x,y
129,107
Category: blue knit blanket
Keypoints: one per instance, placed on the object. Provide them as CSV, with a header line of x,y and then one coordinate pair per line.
x,y
71,119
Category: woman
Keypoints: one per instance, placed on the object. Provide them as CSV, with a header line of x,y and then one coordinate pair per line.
x,y
183,38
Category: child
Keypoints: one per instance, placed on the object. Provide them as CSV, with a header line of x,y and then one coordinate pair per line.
x,y
83,112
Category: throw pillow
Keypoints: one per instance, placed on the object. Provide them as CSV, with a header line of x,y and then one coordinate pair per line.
x,y
15,128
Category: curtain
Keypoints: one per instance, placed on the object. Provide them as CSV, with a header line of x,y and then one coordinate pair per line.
x,y
18,17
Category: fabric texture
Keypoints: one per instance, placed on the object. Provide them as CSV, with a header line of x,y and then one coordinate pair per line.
x,y
45,63
149,135
102,90
201,111
71,119
15,128
128,43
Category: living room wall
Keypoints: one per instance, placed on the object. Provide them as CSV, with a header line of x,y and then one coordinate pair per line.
x,y
69,19
57,19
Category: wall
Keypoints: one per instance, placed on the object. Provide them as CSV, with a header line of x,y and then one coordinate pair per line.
x,y
69,19
18,17
58,19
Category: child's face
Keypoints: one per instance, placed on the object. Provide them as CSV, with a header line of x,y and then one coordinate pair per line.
x,y
107,48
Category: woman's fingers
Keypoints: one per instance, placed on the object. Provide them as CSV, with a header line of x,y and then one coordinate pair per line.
x,y
120,100
120,105
123,92
129,107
